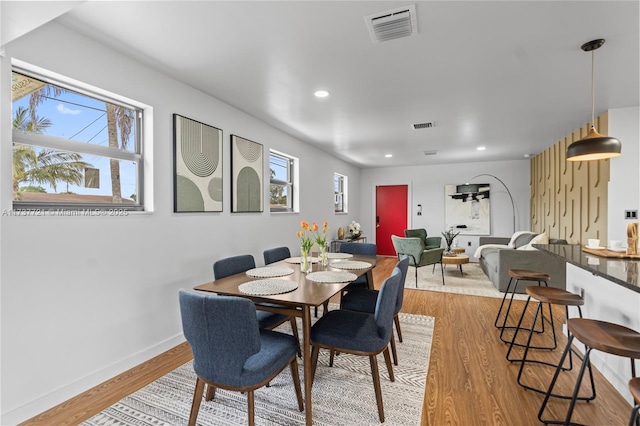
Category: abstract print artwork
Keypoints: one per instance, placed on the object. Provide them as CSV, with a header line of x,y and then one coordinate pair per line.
x,y
197,166
467,208
246,175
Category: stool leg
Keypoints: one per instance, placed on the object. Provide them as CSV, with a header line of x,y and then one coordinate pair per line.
x,y
495,324
515,332
634,416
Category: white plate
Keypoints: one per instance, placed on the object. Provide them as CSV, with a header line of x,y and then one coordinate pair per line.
x,y
595,248
618,250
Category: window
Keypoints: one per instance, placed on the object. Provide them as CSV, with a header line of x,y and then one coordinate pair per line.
x,y
340,193
72,148
281,189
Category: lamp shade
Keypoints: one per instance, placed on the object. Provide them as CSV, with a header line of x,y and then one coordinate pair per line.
x,y
594,146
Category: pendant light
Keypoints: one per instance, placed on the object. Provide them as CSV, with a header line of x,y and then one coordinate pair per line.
x,y
594,146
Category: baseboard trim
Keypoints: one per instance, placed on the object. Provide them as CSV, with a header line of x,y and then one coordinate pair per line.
x,y
41,410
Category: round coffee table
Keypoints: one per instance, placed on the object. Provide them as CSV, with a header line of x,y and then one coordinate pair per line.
x,y
457,259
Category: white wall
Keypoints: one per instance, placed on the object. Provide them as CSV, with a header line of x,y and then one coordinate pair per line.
x,y
86,298
426,187
624,181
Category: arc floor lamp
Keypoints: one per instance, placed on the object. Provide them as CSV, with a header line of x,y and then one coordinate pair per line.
x,y
513,206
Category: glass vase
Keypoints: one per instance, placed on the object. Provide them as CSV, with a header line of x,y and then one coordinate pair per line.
x,y
305,261
323,261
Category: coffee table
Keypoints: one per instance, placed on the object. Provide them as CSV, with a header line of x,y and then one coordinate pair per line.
x,y
457,259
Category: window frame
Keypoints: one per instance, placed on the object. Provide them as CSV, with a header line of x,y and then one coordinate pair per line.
x,y
290,183
135,152
342,192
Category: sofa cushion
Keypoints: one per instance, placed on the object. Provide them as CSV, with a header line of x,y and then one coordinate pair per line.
x,y
516,236
490,257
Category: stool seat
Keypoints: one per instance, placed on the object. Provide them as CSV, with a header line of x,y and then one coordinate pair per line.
x,y
555,296
527,275
606,337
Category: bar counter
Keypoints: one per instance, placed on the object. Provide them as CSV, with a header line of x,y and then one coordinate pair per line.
x,y
622,271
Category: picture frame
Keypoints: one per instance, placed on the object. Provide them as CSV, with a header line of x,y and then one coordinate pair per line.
x,y
247,175
468,208
198,168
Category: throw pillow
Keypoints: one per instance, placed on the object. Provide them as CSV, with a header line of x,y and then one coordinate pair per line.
x,y
538,239
514,237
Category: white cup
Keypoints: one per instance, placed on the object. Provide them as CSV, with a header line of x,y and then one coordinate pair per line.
x,y
616,245
592,242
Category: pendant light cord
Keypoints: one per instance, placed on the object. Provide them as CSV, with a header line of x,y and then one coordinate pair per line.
x,y
593,96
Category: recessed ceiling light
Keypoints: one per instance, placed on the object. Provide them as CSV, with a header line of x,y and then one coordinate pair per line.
x,y
481,148
388,155
321,93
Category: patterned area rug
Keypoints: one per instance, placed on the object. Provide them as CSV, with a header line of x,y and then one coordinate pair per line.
x,y
342,394
472,282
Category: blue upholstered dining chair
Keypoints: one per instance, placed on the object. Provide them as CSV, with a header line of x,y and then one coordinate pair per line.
x,y
364,300
276,254
242,263
230,351
364,249
361,333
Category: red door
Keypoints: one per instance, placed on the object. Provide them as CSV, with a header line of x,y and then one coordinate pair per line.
x,y
391,216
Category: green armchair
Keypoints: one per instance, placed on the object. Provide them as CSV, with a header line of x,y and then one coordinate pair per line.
x,y
418,255
429,242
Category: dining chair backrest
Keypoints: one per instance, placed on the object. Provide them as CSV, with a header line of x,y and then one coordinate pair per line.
x,y
386,304
222,332
403,266
232,265
276,254
365,249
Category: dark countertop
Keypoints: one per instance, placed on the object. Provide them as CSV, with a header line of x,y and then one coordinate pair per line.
x,y
620,271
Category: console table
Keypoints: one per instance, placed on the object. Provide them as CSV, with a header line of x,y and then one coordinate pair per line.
x,y
334,246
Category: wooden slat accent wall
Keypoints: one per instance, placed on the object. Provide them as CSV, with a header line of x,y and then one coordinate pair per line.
x,y
569,199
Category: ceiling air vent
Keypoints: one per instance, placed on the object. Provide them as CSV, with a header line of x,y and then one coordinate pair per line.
x,y
396,23
426,125
432,152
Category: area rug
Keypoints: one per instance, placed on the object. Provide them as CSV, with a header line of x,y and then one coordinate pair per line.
x,y
342,394
473,281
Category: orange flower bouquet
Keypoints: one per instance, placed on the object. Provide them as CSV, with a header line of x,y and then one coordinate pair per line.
x,y
306,242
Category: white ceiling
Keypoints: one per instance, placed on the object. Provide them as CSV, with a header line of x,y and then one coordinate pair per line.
x,y
508,75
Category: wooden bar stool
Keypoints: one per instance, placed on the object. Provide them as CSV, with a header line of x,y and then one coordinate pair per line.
x,y
549,296
518,275
599,335
634,387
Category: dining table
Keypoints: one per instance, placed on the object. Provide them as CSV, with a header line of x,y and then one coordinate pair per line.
x,y
297,302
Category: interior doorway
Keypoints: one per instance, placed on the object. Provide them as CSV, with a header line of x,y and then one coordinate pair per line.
x,y
391,215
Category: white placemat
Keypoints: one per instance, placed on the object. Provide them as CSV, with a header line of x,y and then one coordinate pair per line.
x,y
267,287
331,277
298,260
339,255
269,271
350,264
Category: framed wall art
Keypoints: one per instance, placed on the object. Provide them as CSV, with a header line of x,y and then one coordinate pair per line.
x,y
198,178
247,165
467,208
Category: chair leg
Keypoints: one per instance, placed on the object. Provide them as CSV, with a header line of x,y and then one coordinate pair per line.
x,y
197,399
294,331
250,408
396,319
331,355
314,361
295,375
376,385
416,276
394,353
211,393
387,360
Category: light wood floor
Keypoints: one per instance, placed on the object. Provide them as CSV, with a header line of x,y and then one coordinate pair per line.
x,y
469,382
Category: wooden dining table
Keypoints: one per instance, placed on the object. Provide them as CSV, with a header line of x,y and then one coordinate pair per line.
x,y
296,303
